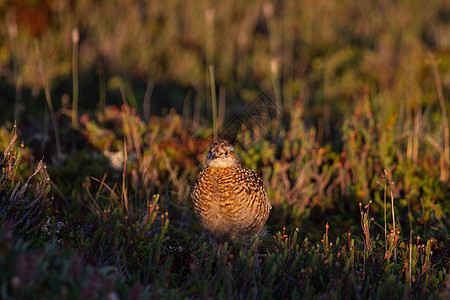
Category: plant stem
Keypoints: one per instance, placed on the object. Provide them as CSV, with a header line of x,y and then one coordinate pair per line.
x,y
385,225
434,65
222,100
213,100
276,85
147,98
102,88
393,225
75,41
49,100
124,188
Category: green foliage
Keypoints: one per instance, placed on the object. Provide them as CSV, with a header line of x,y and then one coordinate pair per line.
x,y
117,245
20,203
360,118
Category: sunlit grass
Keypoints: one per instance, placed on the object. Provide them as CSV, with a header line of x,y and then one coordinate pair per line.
x,y
355,158
123,234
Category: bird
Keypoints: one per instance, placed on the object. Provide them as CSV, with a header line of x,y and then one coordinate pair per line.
x,y
229,200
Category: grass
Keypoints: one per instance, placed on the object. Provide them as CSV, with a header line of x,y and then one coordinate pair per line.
x,y
353,148
135,238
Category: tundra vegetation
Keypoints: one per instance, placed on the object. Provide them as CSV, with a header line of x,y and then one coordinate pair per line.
x,y
108,108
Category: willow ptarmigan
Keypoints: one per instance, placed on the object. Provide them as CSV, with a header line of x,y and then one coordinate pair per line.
x,y
229,200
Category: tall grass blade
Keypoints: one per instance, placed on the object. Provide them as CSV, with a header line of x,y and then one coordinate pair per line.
x,y
75,41
213,99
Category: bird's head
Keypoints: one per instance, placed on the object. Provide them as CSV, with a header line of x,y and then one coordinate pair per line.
x,y
221,155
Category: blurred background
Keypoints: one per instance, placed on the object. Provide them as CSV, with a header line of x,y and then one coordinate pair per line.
x,y
329,54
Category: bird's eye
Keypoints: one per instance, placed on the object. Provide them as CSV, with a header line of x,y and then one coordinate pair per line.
x,y
226,153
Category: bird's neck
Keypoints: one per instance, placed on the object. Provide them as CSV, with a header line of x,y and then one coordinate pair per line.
x,y
223,163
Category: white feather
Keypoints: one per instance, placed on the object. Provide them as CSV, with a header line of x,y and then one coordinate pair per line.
x,y
223,162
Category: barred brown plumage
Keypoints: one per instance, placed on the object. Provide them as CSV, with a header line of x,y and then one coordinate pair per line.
x,y
229,200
